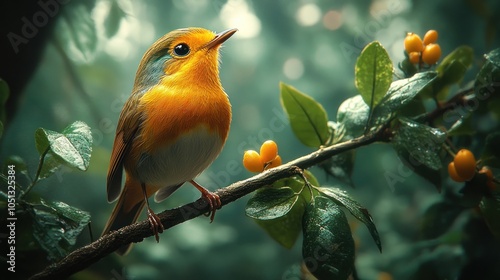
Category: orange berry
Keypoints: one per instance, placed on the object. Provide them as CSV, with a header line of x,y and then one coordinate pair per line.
x,y
275,163
491,185
268,151
252,162
414,57
431,54
485,170
430,37
453,173
465,164
413,43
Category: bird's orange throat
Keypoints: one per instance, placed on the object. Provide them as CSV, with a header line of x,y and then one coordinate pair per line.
x,y
180,103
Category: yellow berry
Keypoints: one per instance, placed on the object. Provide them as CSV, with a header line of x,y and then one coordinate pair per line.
x,y
465,164
275,163
431,54
414,57
430,37
453,173
252,162
413,43
268,151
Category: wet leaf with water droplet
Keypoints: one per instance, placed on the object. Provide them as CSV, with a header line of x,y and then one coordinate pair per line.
x,y
421,141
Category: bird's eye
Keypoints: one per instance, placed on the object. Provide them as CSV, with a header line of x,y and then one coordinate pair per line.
x,y
181,49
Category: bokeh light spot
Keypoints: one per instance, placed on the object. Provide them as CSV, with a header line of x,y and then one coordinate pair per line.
x,y
293,68
332,20
308,15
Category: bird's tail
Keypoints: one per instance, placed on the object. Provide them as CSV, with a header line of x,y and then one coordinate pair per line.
x,y
126,211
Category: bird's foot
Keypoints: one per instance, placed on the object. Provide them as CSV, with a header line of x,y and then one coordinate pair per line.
x,y
214,202
212,199
155,222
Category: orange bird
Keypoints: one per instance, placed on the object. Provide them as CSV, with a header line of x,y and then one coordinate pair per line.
x,y
172,127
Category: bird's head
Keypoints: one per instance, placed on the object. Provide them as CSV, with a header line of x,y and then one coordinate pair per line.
x,y
189,53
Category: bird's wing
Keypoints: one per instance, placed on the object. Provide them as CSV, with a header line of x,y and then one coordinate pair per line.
x,y
128,126
165,192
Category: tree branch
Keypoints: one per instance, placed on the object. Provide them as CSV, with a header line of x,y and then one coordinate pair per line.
x,y
89,254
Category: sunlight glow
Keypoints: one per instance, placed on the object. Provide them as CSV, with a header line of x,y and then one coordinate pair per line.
x,y
238,14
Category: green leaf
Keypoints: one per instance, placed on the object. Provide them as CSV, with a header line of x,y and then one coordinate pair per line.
x,y
271,203
72,147
453,67
57,226
337,132
279,210
490,209
78,31
328,246
452,70
42,140
357,210
353,114
373,73
494,57
463,126
50,165
307,117
340,166
487,83
413,109
285,229
421,141
431,175
400,93
113,19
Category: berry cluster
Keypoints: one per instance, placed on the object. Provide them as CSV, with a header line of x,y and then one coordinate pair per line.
x,y
426,51
463,168
268,157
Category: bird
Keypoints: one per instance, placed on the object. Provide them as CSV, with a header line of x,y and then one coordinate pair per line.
x,y
171,128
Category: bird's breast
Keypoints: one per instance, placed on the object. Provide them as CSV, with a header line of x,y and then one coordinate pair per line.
x,y
181,160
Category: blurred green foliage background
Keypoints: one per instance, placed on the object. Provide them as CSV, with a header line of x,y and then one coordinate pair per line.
x,y
86,72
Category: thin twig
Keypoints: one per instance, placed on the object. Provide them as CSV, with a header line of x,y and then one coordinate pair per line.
x,y
456,100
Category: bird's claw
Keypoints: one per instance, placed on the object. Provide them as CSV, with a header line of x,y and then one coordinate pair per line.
x,y
214,203
156,225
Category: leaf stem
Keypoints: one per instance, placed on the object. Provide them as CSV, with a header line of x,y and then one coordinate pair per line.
x,y
37,174
307,183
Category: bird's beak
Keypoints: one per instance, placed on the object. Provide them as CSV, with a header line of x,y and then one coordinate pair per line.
x,y
220,38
